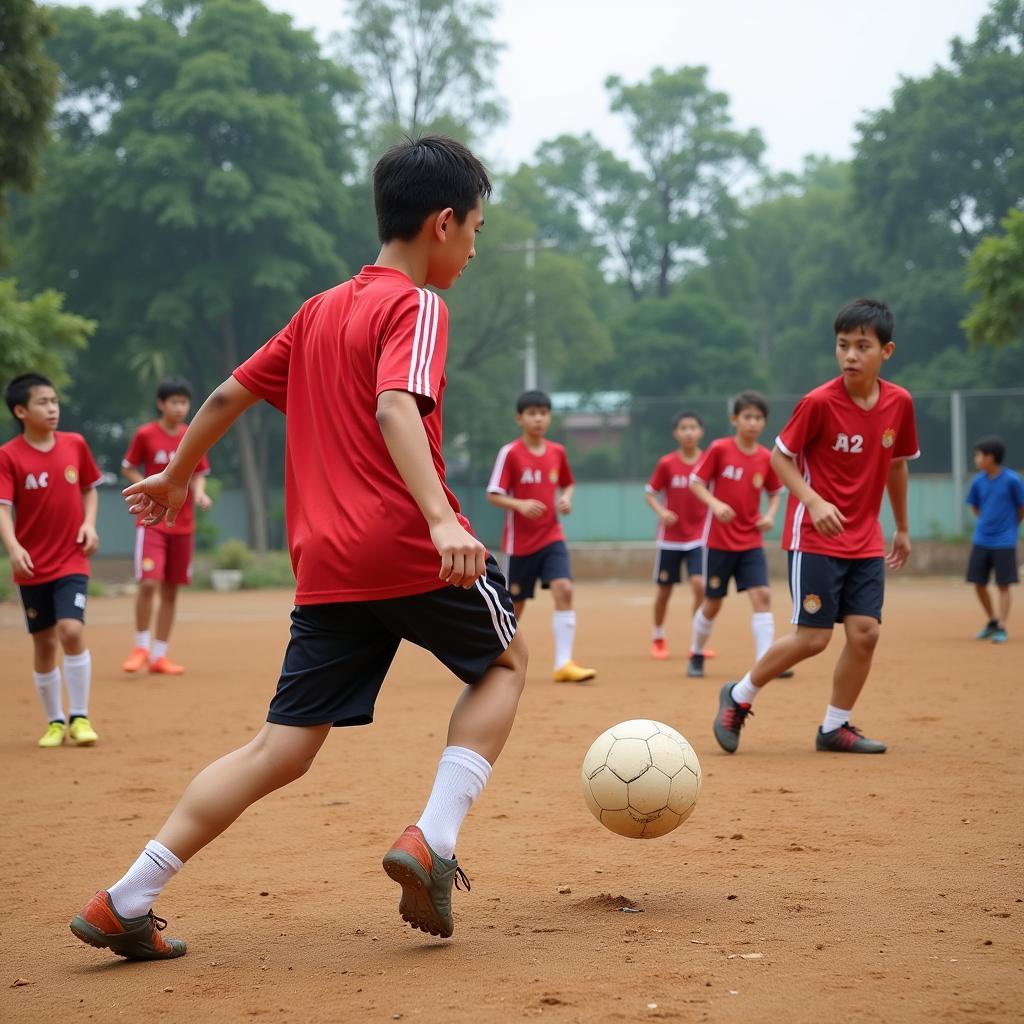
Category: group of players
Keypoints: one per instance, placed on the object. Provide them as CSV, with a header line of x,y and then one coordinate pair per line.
x,y
359,371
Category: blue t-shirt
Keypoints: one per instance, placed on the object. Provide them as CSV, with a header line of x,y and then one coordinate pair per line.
x,y
997,499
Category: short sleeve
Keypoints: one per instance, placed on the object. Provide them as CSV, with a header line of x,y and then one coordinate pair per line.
x,y
907,446
265,372
413,347
89,474
565,477
7,491
501,475
973,494
772,483
707,468
1018,492
658,482
136,454
802,428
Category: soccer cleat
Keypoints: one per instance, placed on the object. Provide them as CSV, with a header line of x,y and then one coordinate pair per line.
x,y
426,879
847,739
730,719
788,674
81,731
999,636
134,938
659,649
709,653
54,735
570,672
136,660
990,629
165,667
695,666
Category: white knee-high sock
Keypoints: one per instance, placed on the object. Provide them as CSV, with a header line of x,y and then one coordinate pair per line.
x,y
48,688
135,894
77,678
461,777
563,625
762,624
702,627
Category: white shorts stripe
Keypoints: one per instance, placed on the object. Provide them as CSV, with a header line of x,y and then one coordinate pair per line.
x,y
494,615
506,617
794,585
140,536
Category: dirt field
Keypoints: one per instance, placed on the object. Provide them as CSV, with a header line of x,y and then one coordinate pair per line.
x,y
860,888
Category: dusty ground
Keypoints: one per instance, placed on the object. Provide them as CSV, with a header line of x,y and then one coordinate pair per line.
x,y
878,888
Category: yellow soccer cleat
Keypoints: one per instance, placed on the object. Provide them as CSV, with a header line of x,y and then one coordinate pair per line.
x,y
81,731
54,735
570,672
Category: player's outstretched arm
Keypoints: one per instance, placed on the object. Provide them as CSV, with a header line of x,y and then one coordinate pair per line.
x,y
827,519
165,493
897,485
21,560
462,555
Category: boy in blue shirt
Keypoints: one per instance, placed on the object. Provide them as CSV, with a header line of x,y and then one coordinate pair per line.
x,y
997,497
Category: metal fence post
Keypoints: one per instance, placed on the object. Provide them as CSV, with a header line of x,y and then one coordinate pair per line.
x,y
958,446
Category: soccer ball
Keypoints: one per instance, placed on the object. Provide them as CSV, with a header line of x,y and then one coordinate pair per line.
x,y
641,779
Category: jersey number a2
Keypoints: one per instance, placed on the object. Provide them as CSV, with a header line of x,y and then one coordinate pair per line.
x,y
848,443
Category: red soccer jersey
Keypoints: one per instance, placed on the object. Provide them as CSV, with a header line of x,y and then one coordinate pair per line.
x,y
844,453
151,449
354,531
45,489
520,473
671,478
736,478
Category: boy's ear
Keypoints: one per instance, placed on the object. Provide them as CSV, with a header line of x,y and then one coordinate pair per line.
x,y
888,348
441,221
20,412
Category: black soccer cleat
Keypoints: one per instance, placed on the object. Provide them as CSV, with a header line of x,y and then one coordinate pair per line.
x,y
847,739
695,666
730,719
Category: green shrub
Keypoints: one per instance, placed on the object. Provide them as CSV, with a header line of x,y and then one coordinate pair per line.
x,y
97,588
269,571
6,583
233,554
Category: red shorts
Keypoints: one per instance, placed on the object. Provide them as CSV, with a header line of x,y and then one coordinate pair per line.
x,y
163,556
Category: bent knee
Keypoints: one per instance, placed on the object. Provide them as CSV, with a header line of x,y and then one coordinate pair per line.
x,y
864,636
516,657
814,641
69,632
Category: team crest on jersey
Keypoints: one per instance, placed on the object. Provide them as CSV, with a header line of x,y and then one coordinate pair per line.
x,y
31,613
812,604
758,480
715,582
148,565
888,437
553,476
663,576
71,474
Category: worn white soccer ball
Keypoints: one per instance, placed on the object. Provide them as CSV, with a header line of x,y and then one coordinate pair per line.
x,y
641,779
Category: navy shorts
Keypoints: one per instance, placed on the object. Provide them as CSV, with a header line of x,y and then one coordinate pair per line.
x,y
47,603
339,654
748,568
550,563
984,561
825,589
668,568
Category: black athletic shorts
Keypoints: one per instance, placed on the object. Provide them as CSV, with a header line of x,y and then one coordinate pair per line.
x,y
668,568
748,568
339,653
47,603
825,589
550,563
984,561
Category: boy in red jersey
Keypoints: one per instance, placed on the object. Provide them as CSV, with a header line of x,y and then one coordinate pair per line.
x,y
163,553
533,483
48,480
681,519
846,443
729,480
360,373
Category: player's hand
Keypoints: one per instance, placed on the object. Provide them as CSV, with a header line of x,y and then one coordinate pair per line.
x,y
204,502
897,557
21,561
532,508
827,519
88,538
724,513
765,523
155,497
668,517
462,555
564,505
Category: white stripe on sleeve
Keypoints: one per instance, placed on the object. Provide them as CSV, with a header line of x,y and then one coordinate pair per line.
x,y
413,361
494,484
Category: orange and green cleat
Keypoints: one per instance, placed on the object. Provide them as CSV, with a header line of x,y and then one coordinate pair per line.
x,y
570,672
426,879
134,938
165,667
139,658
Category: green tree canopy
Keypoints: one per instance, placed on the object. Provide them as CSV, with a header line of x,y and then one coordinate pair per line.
x,y
996,271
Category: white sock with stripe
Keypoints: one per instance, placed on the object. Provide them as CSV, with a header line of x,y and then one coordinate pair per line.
x,y
834,717
77,678
135,893
48,688
563,625
461,776
702,627
762,624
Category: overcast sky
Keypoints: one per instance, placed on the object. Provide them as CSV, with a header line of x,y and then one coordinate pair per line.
x,y
803,71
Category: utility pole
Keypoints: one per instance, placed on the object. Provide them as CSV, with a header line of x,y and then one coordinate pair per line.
x,y
529,250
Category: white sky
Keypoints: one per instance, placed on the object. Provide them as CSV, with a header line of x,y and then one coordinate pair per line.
x,y
803,71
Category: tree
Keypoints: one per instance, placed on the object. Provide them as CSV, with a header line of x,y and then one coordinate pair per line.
x,y
425,65
207,140
996,270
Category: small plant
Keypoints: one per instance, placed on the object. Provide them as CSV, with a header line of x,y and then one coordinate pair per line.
x,y
233,554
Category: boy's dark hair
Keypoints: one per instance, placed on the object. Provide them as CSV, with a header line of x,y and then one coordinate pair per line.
x,y
748,400
992,445
19,391
686,415
866,313
171,386
532,399
417,178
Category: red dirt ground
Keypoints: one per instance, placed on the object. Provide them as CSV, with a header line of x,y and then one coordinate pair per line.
x,y
873,888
